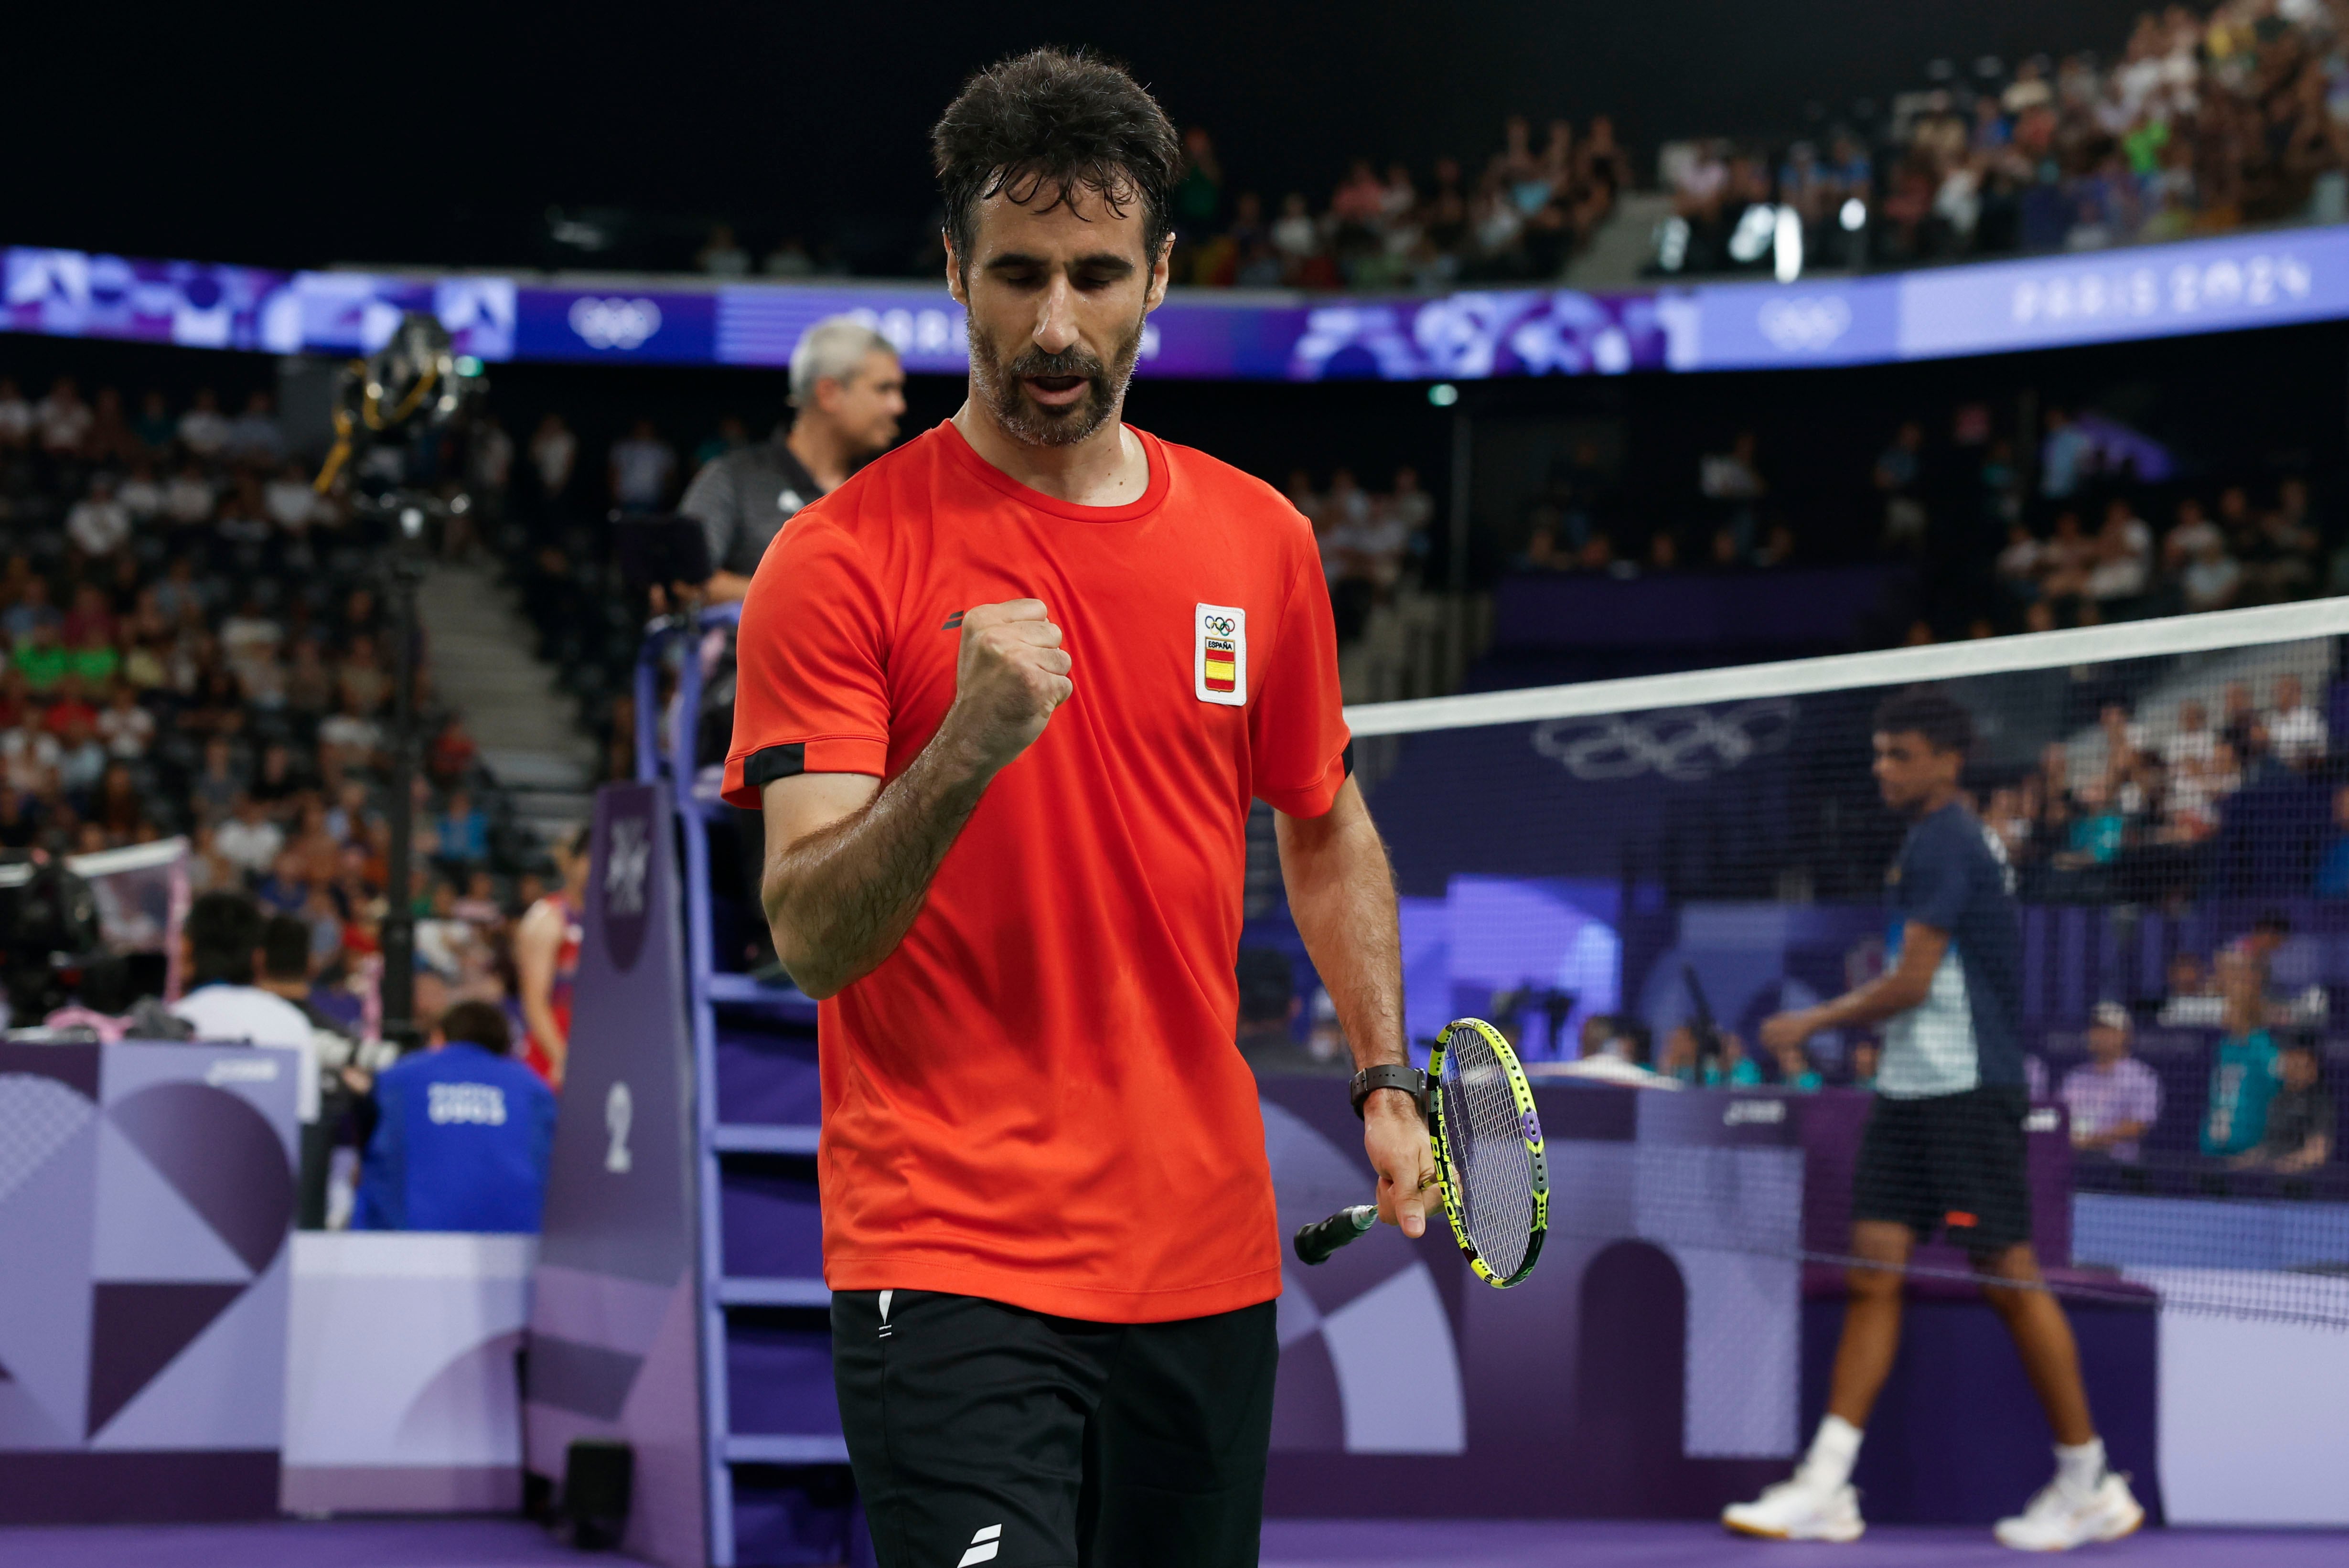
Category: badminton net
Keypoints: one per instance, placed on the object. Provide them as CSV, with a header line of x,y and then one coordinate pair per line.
x,y
1630,876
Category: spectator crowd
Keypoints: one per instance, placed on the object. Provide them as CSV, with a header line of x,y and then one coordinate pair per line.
x,y
2148,813
2078,520
197,644
1533,206
2267,1109
2199,123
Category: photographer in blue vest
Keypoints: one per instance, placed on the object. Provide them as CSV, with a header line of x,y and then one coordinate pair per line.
x,y
462,1134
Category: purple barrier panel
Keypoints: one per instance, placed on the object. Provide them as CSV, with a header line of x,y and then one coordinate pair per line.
x,y
778,1375
795,1514
1655,1364
768,1080
612,1339
1958,1437
1803,606
773,1226
146,1194
1408,1388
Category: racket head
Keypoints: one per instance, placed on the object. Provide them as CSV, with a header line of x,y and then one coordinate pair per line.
x,y
1489,1159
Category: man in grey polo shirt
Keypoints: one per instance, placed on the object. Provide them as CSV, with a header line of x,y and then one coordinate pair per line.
x,y
848,392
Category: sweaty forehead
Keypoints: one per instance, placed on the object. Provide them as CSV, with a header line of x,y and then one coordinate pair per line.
x,y
1039,218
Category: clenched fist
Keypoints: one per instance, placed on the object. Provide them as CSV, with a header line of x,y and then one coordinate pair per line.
x,y
1010,676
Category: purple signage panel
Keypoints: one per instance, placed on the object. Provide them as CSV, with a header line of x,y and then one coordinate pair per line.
x,y
2210,285
759,323
665,326
71,293
354,313
146,1194
1471,336
2157,291
1774,327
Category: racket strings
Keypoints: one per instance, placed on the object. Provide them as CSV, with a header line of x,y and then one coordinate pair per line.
x,y
1491,1169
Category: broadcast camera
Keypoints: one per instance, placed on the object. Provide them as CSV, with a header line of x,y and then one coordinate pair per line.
x,y
51,949
405,394
416,385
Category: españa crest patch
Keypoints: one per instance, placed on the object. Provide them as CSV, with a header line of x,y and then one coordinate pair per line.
x,y
1220,637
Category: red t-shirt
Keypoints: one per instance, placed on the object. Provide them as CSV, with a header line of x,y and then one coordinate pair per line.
x,y
1036,1098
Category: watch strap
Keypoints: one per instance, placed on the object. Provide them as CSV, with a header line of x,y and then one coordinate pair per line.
x,y
1390,1075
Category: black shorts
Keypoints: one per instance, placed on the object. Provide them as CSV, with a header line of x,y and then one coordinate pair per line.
x,y
1958,1163
982,1433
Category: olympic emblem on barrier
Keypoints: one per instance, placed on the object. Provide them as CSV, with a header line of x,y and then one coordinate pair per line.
x,y
1806,325
1685,745
625,868
621,324
624,874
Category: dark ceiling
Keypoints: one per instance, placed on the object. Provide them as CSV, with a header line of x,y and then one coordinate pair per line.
x,y
442,133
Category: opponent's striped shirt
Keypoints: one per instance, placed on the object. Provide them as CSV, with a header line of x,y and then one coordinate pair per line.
x,y
1952,875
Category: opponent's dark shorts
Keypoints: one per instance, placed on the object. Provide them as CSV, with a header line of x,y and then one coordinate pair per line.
x,y
982,1433
1954,1162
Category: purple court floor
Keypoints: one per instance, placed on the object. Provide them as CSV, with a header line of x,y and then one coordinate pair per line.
x,y
1287,1543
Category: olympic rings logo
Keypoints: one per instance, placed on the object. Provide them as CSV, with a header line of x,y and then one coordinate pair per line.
x,y
1686,745
621,324
1804,326
1221,625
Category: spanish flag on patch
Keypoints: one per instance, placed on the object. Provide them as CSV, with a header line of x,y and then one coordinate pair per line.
x,y
1220,670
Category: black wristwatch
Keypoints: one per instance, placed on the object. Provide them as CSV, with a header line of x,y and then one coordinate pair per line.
x,y
1390,1075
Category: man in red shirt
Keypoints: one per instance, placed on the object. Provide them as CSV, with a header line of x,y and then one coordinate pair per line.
x,y
1004,698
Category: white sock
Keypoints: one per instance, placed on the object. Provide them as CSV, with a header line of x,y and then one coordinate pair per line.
x,y
1833,1452
2082,1466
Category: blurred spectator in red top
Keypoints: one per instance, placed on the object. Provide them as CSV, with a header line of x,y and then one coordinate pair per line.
x,y
452,753
70,708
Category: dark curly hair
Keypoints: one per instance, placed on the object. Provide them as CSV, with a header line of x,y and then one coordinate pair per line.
x,y
1930,712
1054,122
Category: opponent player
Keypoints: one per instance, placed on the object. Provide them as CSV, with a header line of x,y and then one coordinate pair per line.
x,y
1944,1148
1005,696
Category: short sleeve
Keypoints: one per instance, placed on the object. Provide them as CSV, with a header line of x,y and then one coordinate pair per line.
x,y
1933,883
811,690
1298,740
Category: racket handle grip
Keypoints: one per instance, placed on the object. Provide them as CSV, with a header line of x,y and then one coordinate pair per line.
x,y
1316,1242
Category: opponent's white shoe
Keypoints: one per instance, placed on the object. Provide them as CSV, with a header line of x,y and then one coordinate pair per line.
x,y
1799,1509
2062,1517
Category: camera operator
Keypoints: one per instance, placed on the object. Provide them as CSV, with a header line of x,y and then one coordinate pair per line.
x,y
221,947
848,392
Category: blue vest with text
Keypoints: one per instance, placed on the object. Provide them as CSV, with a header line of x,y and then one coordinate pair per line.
x,y
460,1143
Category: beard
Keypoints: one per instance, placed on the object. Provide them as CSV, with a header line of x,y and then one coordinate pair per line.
x,y
1002,385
